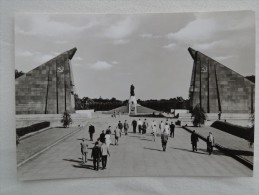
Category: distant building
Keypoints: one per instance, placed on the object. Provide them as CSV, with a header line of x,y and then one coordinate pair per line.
x,y
217,88
47,89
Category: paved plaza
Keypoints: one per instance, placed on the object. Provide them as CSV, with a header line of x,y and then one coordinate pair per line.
x,y
136,155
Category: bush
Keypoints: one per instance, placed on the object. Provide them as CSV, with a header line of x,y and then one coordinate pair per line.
x,y
199,116
149,115
239,131
35,127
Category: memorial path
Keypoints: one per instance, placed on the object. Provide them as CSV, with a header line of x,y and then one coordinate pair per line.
x,y
136,155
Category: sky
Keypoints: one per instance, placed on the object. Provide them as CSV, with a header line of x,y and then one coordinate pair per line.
x,y
147,50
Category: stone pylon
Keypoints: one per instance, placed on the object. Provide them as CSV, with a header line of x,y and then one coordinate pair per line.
x,y
47,89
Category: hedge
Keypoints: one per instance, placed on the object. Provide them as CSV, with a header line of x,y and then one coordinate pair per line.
x,y
149,115
239,131
35,127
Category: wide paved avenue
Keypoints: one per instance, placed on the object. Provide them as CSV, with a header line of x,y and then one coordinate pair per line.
x,y
136,155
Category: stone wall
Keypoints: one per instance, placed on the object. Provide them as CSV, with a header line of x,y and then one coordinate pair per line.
x,y
218,88
47,89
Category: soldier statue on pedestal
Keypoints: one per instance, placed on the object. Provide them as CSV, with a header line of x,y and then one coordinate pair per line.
x,y
132,101
132,93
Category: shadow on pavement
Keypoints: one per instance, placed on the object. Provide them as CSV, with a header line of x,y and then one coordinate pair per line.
x,y
72,160
153,149
80,164
215,152
146,139
84,166
83,138
133,135
188,150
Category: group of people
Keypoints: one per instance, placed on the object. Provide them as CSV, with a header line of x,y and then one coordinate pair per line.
x,y
210,142
165,129
100,151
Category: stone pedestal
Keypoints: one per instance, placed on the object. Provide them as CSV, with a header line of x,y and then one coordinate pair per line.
x,y
132,105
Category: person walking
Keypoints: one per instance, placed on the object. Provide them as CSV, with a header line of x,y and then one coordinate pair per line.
x,y
164,139
105,153
91,131
194,140
210,143
172,127
96,155
117,134
120,126
146,122
167,128
108,130
219,115
140,123
144,128
102,137
154,129
108,139
84,147
134,124
162,127
126,127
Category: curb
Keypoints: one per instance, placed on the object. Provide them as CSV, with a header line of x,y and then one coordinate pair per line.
x,y
225,150
48,147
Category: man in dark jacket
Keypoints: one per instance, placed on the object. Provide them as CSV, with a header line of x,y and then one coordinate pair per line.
x,y
102,137
120,126
144,128
172,126
96,155
108,131
194,140
91,131
134,124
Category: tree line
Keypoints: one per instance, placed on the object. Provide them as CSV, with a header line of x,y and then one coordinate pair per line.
x,y
100,104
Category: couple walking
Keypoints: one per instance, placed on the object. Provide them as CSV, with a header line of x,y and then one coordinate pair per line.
x,y
125,126
100,153
210,142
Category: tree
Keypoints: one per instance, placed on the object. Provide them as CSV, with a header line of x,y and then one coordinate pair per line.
x,y
66,120
79,105
199,116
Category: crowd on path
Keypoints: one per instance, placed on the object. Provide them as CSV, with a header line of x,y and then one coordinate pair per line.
x,y
164,129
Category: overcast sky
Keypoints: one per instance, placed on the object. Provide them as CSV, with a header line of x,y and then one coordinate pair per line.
x,y
147,50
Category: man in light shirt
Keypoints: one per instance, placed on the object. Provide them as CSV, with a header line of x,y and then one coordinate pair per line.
x,y
84,152
167,129
105,153
140,123
162,127
117,134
